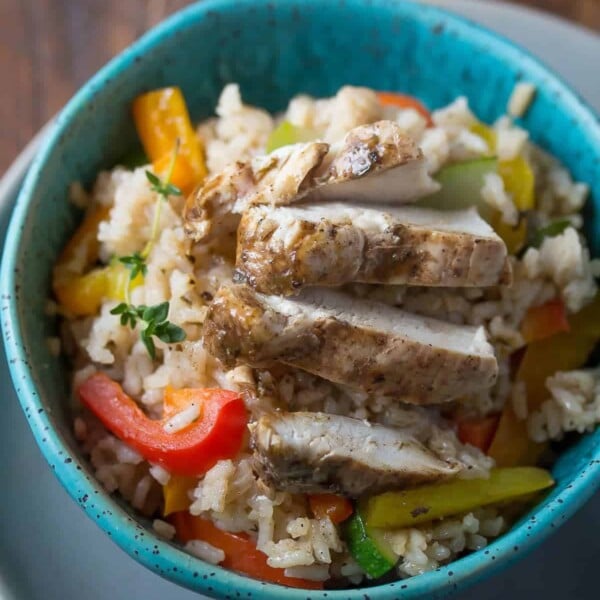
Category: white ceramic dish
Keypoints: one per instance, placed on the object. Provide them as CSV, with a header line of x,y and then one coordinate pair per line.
x,y
48,548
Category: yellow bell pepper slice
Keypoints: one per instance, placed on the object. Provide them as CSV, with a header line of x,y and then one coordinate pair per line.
x,y
161,118
511,446
176,493
487,134
517,175
82,295
117,280
78,293
519,182
429,502
514,237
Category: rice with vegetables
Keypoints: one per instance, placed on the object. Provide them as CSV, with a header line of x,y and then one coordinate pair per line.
x,y
331,344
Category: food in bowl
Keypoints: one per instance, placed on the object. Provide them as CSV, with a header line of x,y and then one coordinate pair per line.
x,y
333,345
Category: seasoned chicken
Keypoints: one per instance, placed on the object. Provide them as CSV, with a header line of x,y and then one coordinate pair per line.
x,y
395,165
374,163
283,249
307,452
277,178
358,343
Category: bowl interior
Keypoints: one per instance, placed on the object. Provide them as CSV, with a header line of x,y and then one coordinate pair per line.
x,y
273,51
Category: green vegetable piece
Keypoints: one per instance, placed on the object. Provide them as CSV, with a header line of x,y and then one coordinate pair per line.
x,y
286,133
461,186
551,230
368,547
429,502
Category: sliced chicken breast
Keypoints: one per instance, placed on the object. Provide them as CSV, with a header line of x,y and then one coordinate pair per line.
x,y
307,452
374,163
283,249
277,178
395,165
358,343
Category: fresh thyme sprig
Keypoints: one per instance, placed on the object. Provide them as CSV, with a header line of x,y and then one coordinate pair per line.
x,y
152,319
136,263
154,323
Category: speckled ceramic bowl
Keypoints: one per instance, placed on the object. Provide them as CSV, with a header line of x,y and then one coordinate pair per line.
x,y
274,50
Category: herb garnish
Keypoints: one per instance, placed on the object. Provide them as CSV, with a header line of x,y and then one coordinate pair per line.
x,y
153,319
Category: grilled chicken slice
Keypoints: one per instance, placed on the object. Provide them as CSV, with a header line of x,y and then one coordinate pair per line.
x,y
374,163
283,249
358,343
317,452
277,178
395,165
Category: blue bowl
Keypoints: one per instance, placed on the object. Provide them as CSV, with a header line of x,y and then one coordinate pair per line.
x,y
274,50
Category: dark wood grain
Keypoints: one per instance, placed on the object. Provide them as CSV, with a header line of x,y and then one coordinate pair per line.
x,y
48,48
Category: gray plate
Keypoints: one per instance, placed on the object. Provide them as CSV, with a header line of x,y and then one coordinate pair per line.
x,y
50,550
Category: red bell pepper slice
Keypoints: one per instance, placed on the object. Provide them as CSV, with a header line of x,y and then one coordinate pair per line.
x,y
217,434
241,553
405,101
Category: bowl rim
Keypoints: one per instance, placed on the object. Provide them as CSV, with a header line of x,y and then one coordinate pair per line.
x,y
142,543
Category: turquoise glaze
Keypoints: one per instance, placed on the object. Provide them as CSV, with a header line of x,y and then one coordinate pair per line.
x,y
274,50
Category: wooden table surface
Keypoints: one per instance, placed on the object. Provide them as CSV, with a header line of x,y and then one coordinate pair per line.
x,y
48,48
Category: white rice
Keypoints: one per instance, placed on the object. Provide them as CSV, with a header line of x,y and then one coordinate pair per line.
x,y
163,529
187,275
520,99
573,405
494,194
510,142
205,551
161,475
183,418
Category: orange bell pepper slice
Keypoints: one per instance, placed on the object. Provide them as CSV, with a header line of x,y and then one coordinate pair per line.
x,y
176,400
241,553
176,493
541,322
511,445
542,358
161,118
337,508
405,101
478,432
